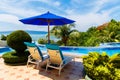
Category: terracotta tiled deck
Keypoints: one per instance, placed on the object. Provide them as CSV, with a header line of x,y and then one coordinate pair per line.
x,y
72,71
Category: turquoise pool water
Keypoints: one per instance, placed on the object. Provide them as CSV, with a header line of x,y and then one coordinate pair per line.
x,y
110,49
4,49
85,50
112,44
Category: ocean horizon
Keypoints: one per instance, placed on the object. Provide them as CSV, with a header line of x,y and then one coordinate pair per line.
x,y
34,34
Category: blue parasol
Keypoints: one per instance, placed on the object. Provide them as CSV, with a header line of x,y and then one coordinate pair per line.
x,y
47,19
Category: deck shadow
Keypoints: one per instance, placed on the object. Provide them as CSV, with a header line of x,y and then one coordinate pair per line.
x,y
72,71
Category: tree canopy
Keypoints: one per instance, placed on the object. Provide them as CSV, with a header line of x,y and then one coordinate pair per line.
x,y
92,37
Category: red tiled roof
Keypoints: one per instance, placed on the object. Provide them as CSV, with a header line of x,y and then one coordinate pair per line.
x,y
102,26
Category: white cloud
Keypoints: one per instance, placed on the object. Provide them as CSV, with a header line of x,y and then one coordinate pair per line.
x,y
19,7
18,11
95,15
50,2
57,3
9,18
88,20
47,2
99,4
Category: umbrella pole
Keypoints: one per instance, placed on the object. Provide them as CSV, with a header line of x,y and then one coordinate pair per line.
x,y
48,33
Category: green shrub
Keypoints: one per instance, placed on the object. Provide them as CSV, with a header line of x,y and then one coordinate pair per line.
x,y
92,58
102,59
45,41
12,58
101,66
102,73
115,60
117,74
42,41
16,40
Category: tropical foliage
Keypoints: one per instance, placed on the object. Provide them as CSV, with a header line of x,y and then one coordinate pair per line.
x,y
63,32
101,66
92,37
45,41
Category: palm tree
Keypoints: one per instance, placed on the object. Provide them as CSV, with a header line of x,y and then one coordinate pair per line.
x,y
63,32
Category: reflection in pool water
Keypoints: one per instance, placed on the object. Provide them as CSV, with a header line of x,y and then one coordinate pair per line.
x,y
110,49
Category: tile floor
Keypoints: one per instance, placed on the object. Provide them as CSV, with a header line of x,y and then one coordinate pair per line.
x,y
72,71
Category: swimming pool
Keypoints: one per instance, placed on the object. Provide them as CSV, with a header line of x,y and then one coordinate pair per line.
x,y
111,44
110,50
85,50
4,49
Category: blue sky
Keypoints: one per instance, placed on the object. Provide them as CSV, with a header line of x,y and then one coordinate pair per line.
x,y
86,13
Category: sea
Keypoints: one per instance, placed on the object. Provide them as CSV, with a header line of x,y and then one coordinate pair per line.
x,y
34,34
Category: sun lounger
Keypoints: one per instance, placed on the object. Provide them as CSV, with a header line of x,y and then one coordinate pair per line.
x,y
57,60
36,55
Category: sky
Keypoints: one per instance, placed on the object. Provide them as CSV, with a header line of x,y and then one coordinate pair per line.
x,y
85,13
